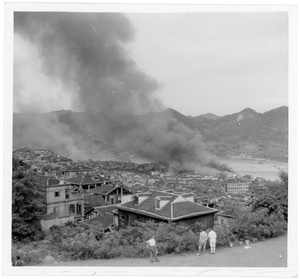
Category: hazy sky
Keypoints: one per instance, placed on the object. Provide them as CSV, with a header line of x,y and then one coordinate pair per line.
x,y
204,62
215,62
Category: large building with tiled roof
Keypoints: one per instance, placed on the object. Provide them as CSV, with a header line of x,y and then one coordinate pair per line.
x,y
75,169
164,206
86,181
46,180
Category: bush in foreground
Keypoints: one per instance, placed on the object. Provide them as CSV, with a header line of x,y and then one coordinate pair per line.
x,y
73,242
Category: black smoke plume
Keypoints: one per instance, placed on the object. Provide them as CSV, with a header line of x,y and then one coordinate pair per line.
x,y
88,50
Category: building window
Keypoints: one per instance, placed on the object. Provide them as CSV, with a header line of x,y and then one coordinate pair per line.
x,y
78,207
72,209
56,210
123,218
111,200
67,194
56,194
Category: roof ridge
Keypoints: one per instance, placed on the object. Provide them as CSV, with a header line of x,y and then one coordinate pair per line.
x,y
189,193
181,197
169,197
83,178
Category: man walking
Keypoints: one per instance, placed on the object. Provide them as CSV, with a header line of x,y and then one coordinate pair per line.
x,y
202,242
151,244
212,241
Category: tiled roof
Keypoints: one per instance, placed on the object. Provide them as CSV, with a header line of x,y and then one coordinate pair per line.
x,y
105,222
78,168
188,208
189,195
223,213
166,198
103,189
177,207
87,179
105,209
46,180
93,200
172,191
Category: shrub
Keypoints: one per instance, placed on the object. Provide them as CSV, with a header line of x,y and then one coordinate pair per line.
x,y
223,235
32,253
259,224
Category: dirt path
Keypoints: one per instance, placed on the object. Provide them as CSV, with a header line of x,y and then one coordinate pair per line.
x,y
269,253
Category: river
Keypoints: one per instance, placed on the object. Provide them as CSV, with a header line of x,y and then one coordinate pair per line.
x,y
257,168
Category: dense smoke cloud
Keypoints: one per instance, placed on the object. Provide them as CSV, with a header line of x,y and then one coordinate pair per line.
x,y
88,48
85,54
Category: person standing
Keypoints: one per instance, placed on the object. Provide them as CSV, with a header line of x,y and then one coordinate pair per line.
x,y
202,242
212,241
151,244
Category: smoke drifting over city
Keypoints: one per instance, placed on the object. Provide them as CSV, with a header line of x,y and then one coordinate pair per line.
x,y
84,63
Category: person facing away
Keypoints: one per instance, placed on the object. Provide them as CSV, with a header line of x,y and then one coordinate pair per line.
x,y
152,248
202,242
212,241
19,262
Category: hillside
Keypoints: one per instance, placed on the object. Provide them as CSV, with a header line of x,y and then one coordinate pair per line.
x,y
269,253
245,133
248,133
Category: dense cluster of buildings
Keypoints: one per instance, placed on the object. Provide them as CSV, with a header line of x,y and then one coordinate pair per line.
x,y
112,194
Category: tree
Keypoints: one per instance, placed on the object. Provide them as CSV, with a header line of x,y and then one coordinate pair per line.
x,y
284,180
269,212
276,199
27,204
259,224
233,207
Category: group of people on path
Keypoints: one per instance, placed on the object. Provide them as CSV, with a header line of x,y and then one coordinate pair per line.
x,y
204,236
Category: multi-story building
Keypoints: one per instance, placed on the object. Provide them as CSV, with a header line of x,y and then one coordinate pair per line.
x,y
69,202
86,181
64,203
237,187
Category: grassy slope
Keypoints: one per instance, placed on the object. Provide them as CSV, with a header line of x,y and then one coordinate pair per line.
x,y
269,253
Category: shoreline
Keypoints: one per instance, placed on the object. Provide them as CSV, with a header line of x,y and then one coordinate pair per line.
x,y
256,167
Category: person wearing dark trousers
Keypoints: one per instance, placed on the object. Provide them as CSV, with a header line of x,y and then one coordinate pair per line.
x,y
151,244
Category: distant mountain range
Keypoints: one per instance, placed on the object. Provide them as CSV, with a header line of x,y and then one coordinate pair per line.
x,y
245,133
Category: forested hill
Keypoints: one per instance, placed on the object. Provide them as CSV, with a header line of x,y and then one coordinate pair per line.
x,y
245,133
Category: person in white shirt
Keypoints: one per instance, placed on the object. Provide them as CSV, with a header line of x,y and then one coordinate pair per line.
x,y
202,242
212,241
151,245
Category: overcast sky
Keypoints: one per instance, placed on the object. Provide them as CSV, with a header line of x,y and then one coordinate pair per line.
x,y
204,62
215,62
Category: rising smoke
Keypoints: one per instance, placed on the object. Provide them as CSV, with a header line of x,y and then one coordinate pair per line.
x,y
85,54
